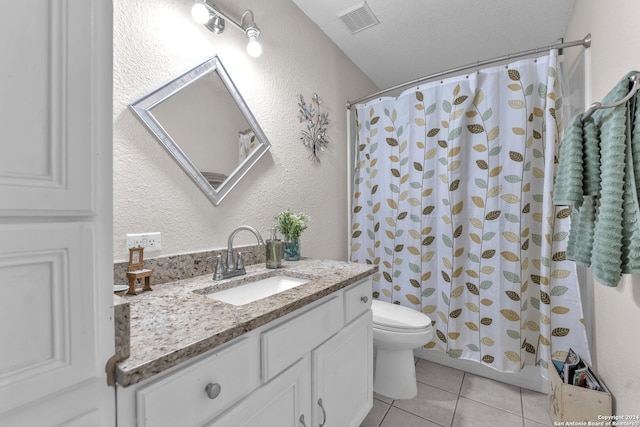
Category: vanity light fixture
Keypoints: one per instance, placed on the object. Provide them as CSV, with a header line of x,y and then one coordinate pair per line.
x,y
211,17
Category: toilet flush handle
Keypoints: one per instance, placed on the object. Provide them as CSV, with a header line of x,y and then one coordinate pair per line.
x,y
364,299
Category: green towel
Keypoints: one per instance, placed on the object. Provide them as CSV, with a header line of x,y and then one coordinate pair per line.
x,y
598,175
631,207
578,185
583,219
579,170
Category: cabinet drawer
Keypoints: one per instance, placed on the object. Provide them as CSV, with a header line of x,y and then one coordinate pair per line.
x,y
357,300
181,399
284,344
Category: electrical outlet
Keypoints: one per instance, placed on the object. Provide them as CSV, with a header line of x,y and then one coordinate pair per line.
x,y
149,241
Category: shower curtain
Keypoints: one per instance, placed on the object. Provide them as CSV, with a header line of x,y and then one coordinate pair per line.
x,y
452,201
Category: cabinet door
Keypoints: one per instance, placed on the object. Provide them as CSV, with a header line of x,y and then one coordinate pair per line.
x,y
282,402
342,379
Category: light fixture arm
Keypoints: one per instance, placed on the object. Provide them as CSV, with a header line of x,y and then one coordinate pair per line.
x,y
214,19
244,15
239,25
223,16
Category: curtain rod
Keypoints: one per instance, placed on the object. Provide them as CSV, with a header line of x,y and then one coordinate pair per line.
x,y
585,42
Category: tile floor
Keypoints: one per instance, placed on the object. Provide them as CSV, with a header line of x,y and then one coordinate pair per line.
x,y
452,398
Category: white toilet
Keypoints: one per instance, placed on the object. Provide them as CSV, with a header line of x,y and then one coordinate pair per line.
x,y
397,330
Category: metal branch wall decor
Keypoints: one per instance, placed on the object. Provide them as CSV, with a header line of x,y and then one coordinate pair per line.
x,y
315,135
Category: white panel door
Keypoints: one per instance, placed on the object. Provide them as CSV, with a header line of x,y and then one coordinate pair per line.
x,y
56,268
44,273
47,91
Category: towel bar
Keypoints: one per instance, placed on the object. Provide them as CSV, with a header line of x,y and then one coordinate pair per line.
x,y
598,106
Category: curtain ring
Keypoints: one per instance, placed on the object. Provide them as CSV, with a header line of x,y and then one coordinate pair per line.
x,y
507,66
477,67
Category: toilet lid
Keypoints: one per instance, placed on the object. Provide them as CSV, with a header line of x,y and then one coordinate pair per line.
x,y
394,316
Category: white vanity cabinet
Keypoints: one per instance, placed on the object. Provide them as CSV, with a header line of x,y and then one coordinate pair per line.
x,y
309,368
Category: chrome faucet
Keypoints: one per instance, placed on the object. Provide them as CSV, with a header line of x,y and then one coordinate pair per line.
x,y
234,266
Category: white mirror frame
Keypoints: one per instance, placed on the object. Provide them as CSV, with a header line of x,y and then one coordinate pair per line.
x,y
142,108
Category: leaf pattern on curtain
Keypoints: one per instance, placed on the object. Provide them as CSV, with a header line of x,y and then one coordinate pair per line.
x,y
452,201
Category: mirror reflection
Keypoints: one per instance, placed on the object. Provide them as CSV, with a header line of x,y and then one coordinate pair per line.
x,y
205,125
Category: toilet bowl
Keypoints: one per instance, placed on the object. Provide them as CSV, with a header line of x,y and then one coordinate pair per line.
x,y
397,330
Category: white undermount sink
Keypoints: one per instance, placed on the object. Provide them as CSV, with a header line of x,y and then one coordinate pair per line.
x,y
253,291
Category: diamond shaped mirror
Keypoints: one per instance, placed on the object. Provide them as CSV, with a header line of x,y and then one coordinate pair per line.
x,y
203,122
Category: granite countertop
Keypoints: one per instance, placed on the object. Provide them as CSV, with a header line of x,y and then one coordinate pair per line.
x,y
175,322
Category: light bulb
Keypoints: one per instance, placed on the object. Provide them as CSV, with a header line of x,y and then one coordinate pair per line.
x,y
253,48
200,13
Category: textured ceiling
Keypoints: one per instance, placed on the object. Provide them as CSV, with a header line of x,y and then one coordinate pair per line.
x,y
420,37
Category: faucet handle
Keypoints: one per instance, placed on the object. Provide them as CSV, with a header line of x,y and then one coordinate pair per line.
x,y
217,272
240,261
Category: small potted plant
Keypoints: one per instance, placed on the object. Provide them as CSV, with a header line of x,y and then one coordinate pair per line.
x,y
291,225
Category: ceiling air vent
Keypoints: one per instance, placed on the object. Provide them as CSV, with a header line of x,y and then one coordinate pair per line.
x,y
358,17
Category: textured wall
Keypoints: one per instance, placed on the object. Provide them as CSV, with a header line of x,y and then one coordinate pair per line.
x,y
614,51
156,40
